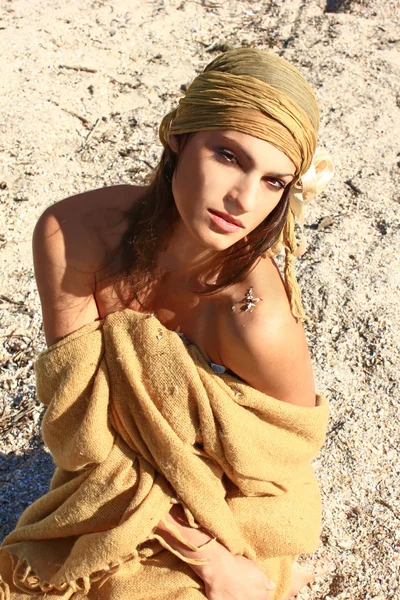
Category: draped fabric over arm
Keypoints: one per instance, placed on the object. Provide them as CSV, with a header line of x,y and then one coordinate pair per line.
x,y
137,421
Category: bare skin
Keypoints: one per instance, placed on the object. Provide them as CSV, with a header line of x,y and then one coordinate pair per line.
x,y
76,266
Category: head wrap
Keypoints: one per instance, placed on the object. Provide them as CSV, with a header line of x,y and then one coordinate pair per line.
x,y
261,94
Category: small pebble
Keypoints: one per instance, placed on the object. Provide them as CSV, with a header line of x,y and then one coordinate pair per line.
x,y
346,544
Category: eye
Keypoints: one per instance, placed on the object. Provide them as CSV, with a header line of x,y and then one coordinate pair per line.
x,y
227,155
276,184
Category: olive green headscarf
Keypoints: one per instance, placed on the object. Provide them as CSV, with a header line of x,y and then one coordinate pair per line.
x,y
260,94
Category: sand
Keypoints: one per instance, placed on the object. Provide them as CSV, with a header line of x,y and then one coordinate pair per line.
x,y
84,85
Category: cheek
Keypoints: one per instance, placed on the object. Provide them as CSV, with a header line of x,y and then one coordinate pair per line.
x,y
185,190
194,182
269,203
180,183
274,203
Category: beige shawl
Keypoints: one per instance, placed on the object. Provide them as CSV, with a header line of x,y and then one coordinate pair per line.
x,y
137,421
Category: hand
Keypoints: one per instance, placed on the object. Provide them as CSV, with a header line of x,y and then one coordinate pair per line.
x,y
235,578
226,576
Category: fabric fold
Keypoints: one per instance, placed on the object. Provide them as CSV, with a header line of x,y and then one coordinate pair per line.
x,y
137,421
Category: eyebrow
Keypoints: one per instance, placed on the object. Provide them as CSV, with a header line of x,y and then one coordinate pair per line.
x,y
251,159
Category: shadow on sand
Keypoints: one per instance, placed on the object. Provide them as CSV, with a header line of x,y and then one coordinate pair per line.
x,y
23,478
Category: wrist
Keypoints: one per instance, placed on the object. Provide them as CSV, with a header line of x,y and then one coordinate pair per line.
x,y
218,560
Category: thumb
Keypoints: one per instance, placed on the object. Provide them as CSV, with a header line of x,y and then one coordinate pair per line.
x,y
270,585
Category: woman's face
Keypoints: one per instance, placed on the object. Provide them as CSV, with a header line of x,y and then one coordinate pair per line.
x,y
226,183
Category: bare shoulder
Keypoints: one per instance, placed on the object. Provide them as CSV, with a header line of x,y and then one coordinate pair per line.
x,y
71,241
267,347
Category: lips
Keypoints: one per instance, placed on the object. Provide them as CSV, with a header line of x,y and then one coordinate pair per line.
x,y
227,218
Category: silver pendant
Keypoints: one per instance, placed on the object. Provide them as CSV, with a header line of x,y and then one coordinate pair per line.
x,y
249,302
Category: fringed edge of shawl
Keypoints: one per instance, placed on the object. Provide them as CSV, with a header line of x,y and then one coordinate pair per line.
x,y
26,579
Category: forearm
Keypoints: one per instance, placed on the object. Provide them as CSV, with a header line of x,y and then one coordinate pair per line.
x,y
209,551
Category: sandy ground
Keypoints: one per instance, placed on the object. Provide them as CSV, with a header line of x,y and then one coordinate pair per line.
x,y
84,86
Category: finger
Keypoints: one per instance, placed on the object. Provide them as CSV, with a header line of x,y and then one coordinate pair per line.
x,y
270,585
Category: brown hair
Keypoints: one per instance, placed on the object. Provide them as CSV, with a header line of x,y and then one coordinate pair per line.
x,y
151,226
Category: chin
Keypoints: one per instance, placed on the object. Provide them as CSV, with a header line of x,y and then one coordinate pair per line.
x,y
218,243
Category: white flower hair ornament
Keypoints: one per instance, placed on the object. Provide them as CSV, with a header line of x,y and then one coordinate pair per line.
x,y
311,183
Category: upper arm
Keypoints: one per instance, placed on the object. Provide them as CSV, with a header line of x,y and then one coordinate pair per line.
x,y
267,348
72,242
64,255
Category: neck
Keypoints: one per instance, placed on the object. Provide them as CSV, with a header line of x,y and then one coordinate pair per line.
x,y
185,259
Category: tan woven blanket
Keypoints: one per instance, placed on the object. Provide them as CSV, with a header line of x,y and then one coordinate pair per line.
x,y
137,421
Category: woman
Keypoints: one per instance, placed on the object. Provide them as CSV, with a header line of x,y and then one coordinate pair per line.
x,y
195,249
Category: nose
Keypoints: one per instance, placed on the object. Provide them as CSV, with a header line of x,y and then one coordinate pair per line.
x,y
244,193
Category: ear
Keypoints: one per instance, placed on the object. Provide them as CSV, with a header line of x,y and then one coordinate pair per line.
x,y
173,143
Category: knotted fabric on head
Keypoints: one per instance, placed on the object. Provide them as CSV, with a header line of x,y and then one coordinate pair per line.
x,y
260,94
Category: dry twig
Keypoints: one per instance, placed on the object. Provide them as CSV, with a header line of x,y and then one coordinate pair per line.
x,y
90,134
78,68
